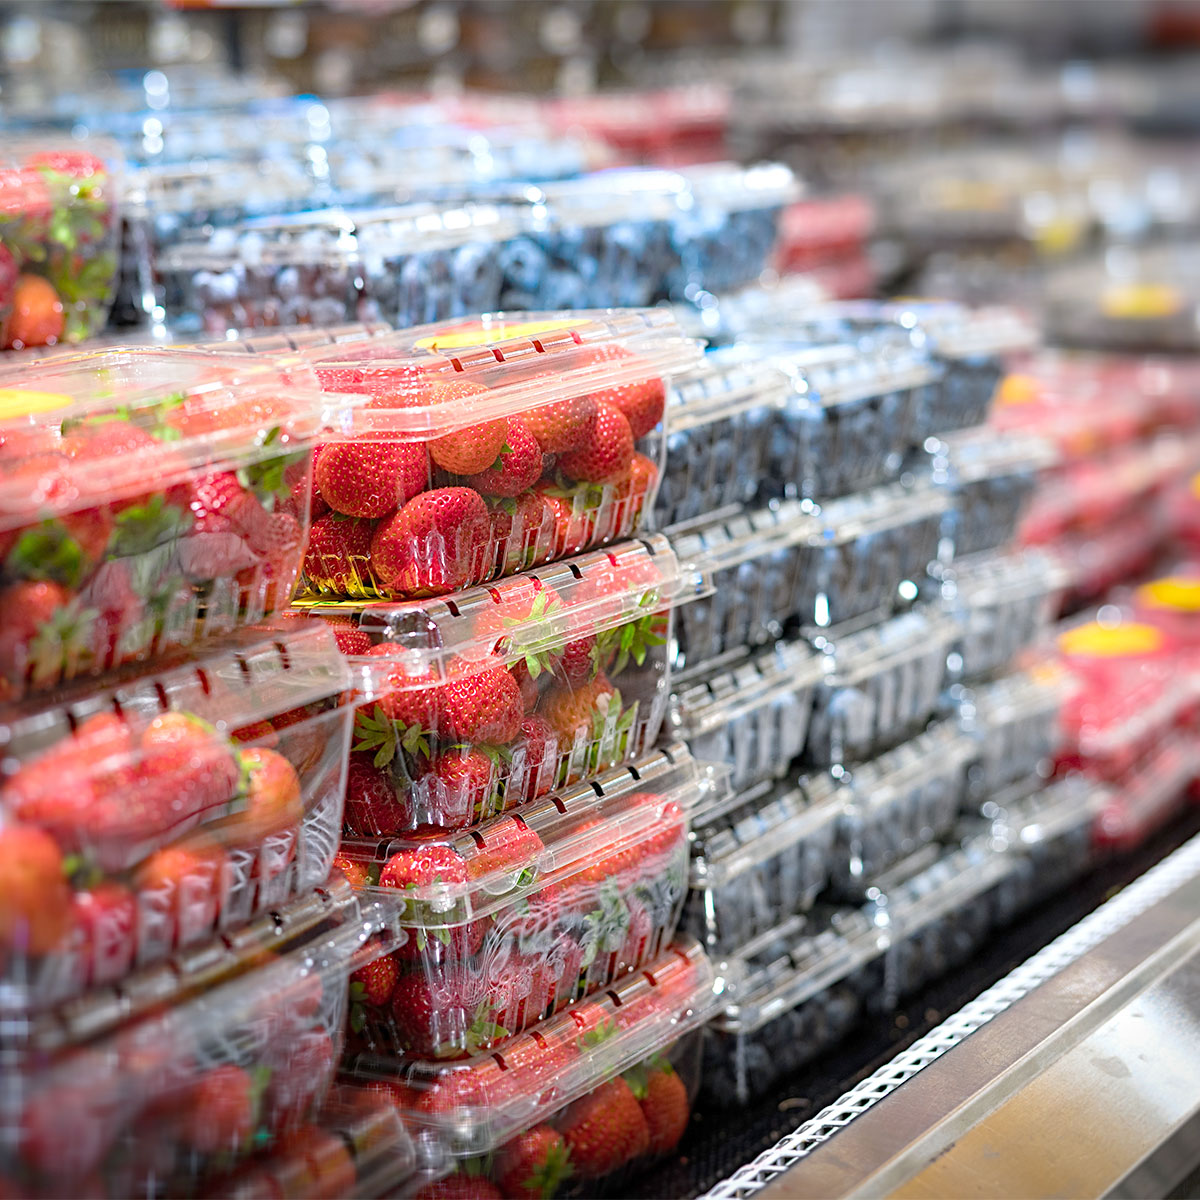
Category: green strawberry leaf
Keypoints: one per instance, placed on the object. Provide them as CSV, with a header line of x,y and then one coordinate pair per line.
x,y
62,646
638,1079
47,551
146,527
358,1018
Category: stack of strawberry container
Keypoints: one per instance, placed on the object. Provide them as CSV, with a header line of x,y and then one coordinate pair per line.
x,y
174,967
476,553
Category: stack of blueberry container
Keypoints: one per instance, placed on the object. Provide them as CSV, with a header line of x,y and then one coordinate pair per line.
x,y
478,552
826,470
174,955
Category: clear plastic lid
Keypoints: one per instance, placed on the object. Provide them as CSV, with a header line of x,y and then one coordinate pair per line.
x,y
522,618
1145,796
503,365
732,188
529,849
741,837
854,655
1052,810
942,750
982,453
945,329
835,374
606,197
888,507
88,429
1021,695
479,1102
727,382
786,669
1008,577
797,960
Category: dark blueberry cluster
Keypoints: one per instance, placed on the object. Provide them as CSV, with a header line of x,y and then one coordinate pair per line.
x,y
1015,721
986,511
884,684
768,858
961,398
717,250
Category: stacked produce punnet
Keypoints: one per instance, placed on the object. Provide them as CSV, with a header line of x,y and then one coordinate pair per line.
x,y
489,446
170,1080
167,805
148,499
576,1103
59,241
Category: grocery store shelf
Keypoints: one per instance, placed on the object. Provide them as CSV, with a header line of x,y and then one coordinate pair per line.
x,y
1096,1034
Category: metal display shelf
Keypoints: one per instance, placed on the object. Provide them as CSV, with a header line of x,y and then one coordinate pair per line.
x,y
1076,1074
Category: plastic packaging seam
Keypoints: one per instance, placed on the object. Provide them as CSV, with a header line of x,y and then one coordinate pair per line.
x,y
966,873
888,507
719,394
936,753
830,392
1059,808
998,579
868,653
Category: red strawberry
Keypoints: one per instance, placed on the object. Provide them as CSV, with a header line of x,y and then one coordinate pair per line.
x,y
506,845
635,487
572,711
317,508
459,788
107,914
607,451
578,662
422,867
460,1187
605,1129
518,466
371,478
514,622
182,890
533,1165
471,451
443,1015
45,636
298,1083
35,901
534,762
523,531
67,1125
36,318
189,764
222,1112
326,1157
642,401
562,424
373,808
9,271
463,1089
338,558
529,688
374,983
350,639
482,705
357,874
436,543
273,802
664,1102
571,525
78,164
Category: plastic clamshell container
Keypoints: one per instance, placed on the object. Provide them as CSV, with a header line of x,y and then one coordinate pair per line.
x,y
1015,722
468,706
490,446
169,805
803,986
852,417
900,801
992,477
1004,602
197,1083
880,685
406,265
1148,794
59,221
556,1072
941,906
767,855
148,499
723,420
752,716
788,565
523,914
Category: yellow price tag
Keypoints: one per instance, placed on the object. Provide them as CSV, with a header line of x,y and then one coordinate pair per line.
x,y
19,402
479,336
1111,641
1141,301
1174,592
1018,389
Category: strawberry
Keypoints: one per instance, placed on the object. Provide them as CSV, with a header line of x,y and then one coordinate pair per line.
x,y
37,315
423,867
460,1187
473,450
522,530
184,888
357,874
299,1081
482,704
560,425
578,663
506,845
45,636
107,914
635,488
370,478
517,468
273,801
529,688
317,508
515,622
641,402
35,901
327,1158
460,787
570,525
443,1016
374,983
68,1124
222,1113
533,1165
436,543
194,768
373,809
572,711
78,164
349,637
66,549
605,1129
463,1089
339,555
606,452
534,760
664,1101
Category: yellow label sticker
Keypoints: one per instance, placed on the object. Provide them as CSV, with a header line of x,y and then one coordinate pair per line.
x,y
1018,389
1141,301
502,331
19,402
1111,641
1174,592
1195,486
